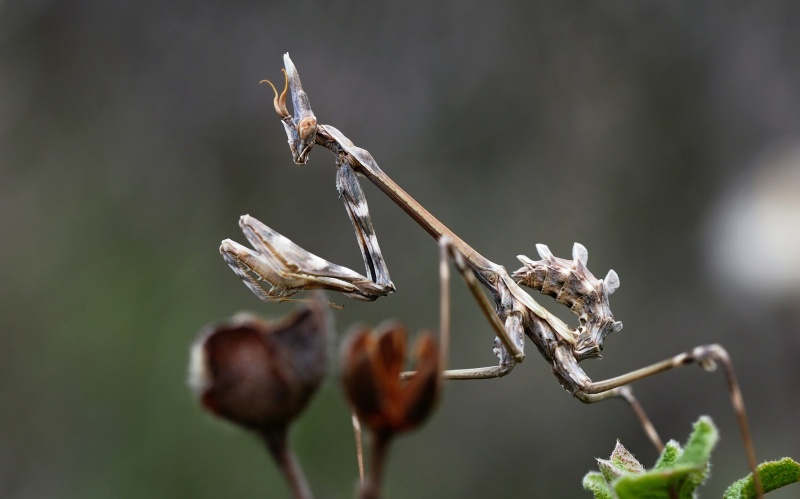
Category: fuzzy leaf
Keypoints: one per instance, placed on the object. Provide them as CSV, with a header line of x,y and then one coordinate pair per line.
x,y
696,454
624,460
678,471
609,471
669,455
648,485
698,449
595,483
773,474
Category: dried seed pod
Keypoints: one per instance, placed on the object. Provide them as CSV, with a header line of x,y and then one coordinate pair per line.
x,y
372,364
257,374
385,404
571,283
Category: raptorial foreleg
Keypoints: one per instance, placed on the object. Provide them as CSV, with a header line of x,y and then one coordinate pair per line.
x,y
357,209
277,268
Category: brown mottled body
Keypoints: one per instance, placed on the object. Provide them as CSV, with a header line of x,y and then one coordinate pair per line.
x,y
571,283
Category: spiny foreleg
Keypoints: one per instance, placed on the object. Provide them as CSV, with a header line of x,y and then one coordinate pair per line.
x,y
357,209
277,268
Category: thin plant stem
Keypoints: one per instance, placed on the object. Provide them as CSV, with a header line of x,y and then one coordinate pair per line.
x,y
371,488
278,445
359,448
444,303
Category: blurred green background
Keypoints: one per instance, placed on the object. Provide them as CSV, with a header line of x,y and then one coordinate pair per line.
x,y
662,135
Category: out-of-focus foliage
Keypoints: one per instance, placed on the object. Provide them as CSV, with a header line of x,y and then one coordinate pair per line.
x,y
773,474
134,134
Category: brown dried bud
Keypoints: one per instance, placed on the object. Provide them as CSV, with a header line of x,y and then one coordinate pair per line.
x,y
372,364
257,374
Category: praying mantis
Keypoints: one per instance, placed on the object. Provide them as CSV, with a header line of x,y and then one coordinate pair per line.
x,y
276,268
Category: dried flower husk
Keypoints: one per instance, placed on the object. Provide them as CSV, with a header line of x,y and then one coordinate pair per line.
x,y
260,374
372,364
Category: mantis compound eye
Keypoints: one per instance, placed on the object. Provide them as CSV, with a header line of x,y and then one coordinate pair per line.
x,y
307,128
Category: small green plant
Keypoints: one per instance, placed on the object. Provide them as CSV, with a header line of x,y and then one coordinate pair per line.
x,y
679,471
774,474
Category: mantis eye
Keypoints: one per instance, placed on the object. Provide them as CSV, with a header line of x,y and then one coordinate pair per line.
x,y
307,127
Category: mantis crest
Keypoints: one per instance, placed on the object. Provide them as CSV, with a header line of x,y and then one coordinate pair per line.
x,y
276,268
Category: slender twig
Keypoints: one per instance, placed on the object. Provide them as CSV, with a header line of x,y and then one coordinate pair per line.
x,y
278,445
371,487
359,447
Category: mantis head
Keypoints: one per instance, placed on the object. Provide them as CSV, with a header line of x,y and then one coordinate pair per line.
x,y
596,326
302,128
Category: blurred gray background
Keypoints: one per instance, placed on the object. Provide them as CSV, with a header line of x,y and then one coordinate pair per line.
x,y
664,136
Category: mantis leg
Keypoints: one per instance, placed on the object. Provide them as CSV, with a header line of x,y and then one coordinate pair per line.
x,y
356,204
707,356
277,268
510,334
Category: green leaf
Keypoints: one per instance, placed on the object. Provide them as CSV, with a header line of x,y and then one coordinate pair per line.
x,y
696,454
625,461
621,462
698,449
773,474
678,471
649,486
669,455
595,483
